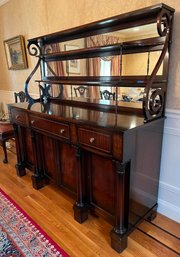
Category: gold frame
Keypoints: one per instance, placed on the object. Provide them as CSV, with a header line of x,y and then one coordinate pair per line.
x,y
15,53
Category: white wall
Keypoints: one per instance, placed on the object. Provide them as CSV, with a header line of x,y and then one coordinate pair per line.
x,y
169,185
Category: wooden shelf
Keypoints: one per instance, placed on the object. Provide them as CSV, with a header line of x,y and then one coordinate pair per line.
x,y
124,81
131,47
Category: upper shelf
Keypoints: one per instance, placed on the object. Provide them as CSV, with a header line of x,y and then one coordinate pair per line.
x,y
131,19
136,46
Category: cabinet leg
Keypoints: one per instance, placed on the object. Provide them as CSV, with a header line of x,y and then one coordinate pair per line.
x,y
152,214
5,152
37,182
80,207
118,241
80,213
20,170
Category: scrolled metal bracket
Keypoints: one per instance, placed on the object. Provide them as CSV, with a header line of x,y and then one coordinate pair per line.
x,y
34,49
163,23
154,98
26,86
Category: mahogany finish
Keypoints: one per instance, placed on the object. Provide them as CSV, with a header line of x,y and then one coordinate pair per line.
x,y
105,154
98,164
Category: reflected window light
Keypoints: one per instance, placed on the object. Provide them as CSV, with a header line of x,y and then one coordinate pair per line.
x,y
136,29
105,70
132,124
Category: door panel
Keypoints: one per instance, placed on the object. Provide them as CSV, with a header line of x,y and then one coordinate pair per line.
x,y
101,183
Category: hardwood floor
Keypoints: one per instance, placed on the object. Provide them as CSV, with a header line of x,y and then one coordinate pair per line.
x,y
52,210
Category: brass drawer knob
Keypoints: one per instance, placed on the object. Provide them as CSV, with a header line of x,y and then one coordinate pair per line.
x,y
92,140
32,122
62,131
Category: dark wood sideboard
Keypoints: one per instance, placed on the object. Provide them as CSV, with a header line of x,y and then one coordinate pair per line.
x,y
105,154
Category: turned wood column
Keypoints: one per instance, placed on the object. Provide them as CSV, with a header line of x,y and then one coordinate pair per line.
x,y
118,233
80,208
20,167
37,177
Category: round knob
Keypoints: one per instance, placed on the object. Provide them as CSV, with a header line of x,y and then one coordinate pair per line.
x,y
32,122
17,116
62,131
92,140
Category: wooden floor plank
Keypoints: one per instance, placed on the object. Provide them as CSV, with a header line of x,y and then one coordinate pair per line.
x,y
52,210
152,245
167,224
161,235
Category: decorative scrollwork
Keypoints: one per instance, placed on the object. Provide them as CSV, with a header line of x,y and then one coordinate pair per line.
x,y
45,92
33,49
156,101
163,23
153,100
29,98
153,103
47,49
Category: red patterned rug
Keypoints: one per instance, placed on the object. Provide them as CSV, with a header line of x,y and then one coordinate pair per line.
x,y
20,236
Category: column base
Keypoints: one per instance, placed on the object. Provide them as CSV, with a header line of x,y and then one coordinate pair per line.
x,y
80,213
118,241
37,182
20,170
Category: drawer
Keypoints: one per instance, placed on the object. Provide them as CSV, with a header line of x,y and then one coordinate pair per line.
x,y
19,117
52,127
95,139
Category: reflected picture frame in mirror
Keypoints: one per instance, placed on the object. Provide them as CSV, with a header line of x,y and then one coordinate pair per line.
x,y
72,66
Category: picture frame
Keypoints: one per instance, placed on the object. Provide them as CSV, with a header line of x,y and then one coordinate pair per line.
x,y
72,66
15,53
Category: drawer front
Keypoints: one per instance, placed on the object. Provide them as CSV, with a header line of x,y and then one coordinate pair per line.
x,y
19,117
56,128
94,139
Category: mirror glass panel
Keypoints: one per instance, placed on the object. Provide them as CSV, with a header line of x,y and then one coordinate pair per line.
x,y
138,64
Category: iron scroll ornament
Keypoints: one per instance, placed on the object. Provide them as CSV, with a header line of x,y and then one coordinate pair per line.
x,y
154,99
35,50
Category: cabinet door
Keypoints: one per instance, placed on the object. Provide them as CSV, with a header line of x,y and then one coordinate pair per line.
x,y
69,167
101,183
59,162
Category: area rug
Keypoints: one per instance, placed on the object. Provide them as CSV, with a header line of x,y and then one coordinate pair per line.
x,y
20,236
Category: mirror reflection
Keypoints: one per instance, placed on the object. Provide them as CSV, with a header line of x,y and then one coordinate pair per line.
x,y
125,65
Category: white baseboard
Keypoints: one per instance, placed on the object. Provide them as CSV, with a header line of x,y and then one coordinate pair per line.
x,y
169,201
169,210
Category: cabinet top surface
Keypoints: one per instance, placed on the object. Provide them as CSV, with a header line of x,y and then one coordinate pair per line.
x,y
102,119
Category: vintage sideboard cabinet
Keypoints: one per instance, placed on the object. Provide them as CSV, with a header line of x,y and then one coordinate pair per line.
x,y
105,153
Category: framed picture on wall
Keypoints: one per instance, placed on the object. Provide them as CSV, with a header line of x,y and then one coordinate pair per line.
x,y
15,53
72,66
